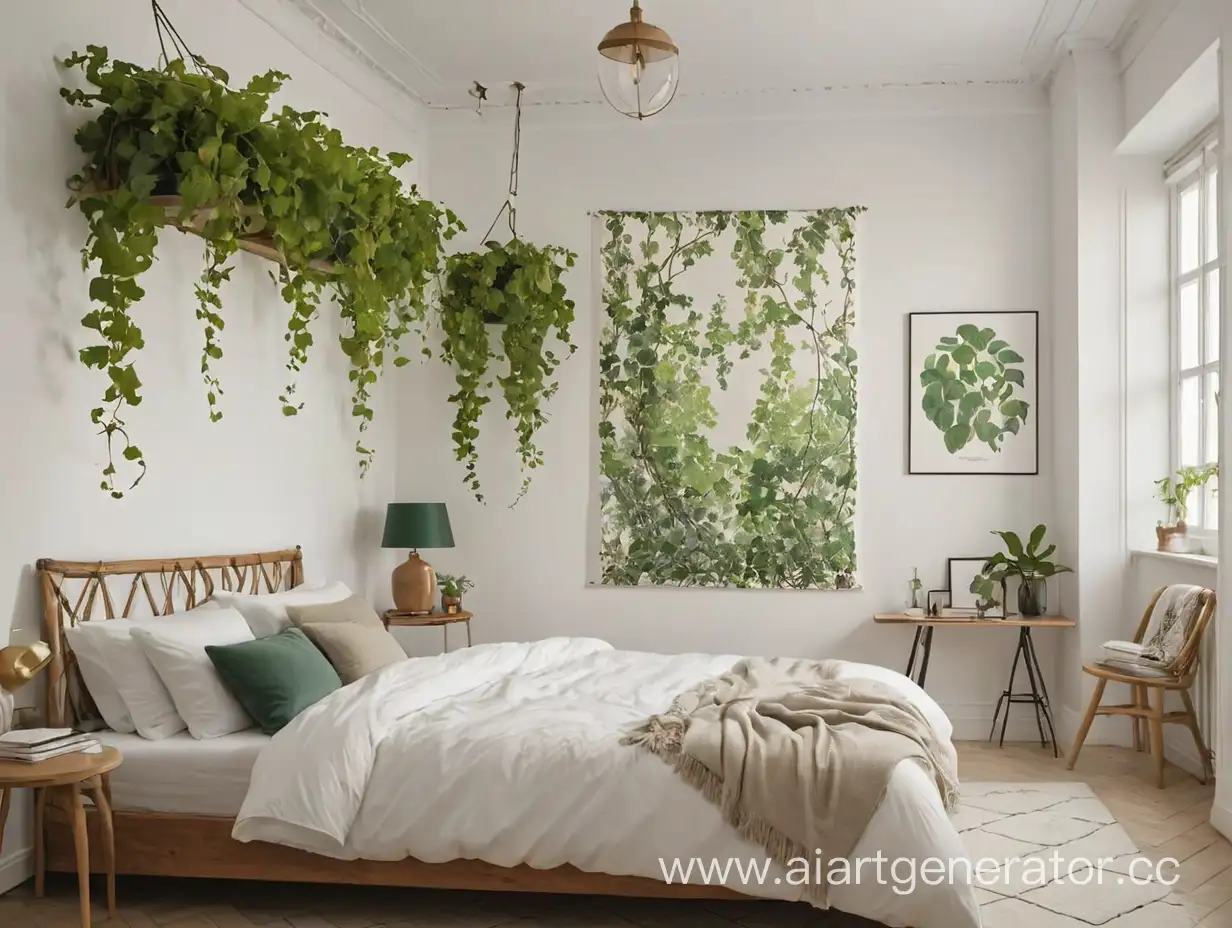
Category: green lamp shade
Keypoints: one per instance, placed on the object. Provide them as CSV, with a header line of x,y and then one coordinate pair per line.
x,y
417,525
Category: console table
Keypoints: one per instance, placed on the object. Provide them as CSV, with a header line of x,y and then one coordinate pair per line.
x,y
922,647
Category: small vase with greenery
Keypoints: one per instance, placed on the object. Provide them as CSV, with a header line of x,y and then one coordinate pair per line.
x,y
1174,492
988,586
1031,565
453,587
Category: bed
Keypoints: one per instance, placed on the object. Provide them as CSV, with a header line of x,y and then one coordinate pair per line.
x,y
496,767
181,775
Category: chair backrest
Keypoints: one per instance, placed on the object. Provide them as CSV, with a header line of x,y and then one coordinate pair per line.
x,y
1186,660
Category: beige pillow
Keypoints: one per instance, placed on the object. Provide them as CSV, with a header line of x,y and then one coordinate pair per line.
x,y
353,609
355,650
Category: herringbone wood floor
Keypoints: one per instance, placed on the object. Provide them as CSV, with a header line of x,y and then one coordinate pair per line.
x,y
1171,822
1164,823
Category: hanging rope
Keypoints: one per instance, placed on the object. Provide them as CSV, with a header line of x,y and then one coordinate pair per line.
x,y
166,30
508,205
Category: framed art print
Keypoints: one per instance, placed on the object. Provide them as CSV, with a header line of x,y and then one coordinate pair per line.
x,y
973,395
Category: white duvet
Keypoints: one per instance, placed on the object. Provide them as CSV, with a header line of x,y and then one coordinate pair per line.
x,y
510,753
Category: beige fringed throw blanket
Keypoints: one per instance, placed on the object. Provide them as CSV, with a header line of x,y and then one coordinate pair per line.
x,y
796,760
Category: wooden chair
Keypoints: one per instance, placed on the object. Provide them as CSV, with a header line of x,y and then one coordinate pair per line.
x,y
1149,717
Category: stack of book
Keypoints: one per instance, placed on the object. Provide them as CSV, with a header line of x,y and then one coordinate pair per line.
x,y
35,744
1129,657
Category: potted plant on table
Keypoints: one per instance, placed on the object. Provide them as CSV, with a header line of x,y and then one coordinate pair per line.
x,y
452,589
1031,565
1174,492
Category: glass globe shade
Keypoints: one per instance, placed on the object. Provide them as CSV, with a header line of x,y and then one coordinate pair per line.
x,y
639,88
639,67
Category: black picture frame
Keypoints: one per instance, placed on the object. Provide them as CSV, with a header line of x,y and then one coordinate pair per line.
x,y
960,584
914,390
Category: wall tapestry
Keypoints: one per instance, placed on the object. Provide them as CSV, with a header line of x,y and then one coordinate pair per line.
x,y
973,400
727,400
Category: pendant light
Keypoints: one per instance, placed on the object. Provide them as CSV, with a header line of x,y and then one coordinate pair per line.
x,y
639,67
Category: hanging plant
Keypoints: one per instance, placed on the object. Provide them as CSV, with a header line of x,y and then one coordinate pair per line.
x,y
176,145
517,285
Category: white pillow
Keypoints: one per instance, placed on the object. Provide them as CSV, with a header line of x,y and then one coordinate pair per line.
x,y
266,613
176,647
107,646
98,680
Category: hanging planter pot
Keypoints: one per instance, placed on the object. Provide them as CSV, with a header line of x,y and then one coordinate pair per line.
x,y
504,277
516,285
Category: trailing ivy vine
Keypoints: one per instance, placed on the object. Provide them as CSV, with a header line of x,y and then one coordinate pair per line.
x,y
516,285
176,144
679,505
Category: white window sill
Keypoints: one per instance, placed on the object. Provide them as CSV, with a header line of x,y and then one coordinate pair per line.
x,y
1198,560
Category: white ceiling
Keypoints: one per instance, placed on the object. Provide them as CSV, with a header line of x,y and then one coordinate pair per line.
x,y
436,49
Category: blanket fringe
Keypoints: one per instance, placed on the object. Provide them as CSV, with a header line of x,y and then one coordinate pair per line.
x,y
663,736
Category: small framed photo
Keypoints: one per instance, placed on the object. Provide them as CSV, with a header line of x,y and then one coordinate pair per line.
x,y
938,601
961,571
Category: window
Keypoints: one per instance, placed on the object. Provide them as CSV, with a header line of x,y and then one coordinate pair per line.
x,y
1196,265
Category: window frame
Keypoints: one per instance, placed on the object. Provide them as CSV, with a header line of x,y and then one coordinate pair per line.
x,y
1193,169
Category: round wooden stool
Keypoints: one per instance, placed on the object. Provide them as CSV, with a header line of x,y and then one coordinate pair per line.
x,y
67,776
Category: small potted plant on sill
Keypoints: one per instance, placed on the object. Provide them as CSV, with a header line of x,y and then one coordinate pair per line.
x,y
1174,492
452,589
1032,566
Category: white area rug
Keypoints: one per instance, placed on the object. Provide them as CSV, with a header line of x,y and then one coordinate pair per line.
x,y
1053,836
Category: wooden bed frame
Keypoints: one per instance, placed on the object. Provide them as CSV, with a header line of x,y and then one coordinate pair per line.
x,y
156,844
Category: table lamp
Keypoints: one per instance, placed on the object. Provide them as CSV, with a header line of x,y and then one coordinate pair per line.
x,y
19,663
414,526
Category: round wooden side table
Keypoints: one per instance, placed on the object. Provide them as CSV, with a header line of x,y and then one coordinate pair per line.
x,y
430,619
67,775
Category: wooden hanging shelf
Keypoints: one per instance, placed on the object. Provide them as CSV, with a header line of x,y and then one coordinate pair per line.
x,y
260,245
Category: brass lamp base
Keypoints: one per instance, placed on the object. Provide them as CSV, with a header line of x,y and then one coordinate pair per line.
x,y
414,586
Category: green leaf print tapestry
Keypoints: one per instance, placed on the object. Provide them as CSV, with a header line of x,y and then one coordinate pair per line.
x,y
727,399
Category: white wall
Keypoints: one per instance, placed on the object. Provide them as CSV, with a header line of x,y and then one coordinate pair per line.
x,y
1221,814
958,219
1148,333
1089,220
254,481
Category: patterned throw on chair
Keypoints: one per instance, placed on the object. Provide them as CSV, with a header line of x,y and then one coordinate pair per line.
x,y
1171,621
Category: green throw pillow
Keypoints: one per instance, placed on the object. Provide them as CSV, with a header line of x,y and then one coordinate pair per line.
x,y
275,678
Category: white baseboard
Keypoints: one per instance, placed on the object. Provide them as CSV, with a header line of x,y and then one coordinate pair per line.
x,y
1179,747
1221,820
1104,730
972,722
15,868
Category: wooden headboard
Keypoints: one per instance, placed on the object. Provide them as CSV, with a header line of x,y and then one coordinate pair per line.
x,y
79,591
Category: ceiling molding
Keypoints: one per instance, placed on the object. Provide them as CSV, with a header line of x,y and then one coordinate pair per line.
x,y
1065,26
1142,24
1054,21
498,98
289,20
345,24
868,102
